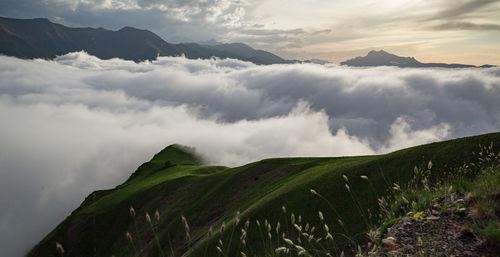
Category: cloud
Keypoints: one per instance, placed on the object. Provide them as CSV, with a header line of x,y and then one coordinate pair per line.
x,y
466,26
174,21
78,123
463,9
402,135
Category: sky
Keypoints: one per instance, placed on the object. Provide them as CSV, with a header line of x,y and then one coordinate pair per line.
x,y
451,31
78,124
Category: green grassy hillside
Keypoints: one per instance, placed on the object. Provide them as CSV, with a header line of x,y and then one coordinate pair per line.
x,y
176,183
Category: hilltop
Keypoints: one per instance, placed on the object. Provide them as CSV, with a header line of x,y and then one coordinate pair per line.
x,y
233,210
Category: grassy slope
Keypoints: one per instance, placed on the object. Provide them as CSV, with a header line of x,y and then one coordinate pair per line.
x,y
476,189
176,184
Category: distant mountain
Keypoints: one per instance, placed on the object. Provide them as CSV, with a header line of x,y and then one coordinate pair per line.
x,y
317,61
383,58
40,38
210,42
244,52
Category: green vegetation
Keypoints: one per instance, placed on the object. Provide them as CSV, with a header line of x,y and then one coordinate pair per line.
x,y
477,213
385,226
267,208
492,232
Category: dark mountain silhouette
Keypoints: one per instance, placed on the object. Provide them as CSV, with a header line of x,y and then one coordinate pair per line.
x,y
210,42
383,58
244,52
40,38
317,61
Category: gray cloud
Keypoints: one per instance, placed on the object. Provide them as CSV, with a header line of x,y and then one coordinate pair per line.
x,y
466,26
463,9
175,21
324,31
276,40
268,32
78,123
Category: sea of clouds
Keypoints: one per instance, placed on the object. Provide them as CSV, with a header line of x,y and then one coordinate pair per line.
x,y
78,123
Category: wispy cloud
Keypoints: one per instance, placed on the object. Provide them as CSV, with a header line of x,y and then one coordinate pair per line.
x,y
466,26
462,9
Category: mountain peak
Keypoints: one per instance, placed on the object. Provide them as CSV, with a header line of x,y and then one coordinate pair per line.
x,y
380,53
128,28
383,58
372,52
41,20
178,155
210,42
170,156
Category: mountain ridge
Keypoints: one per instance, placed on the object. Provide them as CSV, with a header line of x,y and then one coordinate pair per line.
x,y
40,38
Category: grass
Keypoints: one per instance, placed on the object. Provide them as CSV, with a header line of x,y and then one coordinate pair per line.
x,y
176,183
492,232
385,226
478,179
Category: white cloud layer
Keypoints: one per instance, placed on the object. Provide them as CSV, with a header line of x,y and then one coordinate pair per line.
x,y
78,123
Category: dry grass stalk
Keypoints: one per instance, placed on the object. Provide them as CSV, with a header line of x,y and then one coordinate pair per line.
x,y
186,228
132,211
59,248
129,237
157,216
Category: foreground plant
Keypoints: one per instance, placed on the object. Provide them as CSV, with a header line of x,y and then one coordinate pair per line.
x,y
464,197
